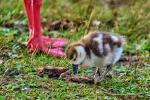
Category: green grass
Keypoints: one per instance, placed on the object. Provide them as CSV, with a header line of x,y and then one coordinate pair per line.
x,y
18,81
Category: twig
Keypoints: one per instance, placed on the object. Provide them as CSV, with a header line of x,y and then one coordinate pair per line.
x,y
89,21
135,68
87,26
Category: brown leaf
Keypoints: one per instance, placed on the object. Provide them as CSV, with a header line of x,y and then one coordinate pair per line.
x,y
51,71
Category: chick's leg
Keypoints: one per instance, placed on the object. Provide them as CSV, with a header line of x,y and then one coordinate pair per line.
x,y
107,72
97,75
101,74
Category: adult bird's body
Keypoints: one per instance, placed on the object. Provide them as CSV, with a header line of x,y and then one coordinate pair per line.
x,y
36,40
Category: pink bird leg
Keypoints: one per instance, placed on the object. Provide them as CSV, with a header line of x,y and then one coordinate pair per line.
x,y
37,41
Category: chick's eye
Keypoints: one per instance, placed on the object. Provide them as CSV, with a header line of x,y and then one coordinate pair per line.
x,y
74,59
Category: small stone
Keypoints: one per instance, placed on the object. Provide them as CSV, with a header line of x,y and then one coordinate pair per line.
x,y
1,61
96,23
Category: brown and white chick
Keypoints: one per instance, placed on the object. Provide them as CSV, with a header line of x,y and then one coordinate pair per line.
x,y
99,49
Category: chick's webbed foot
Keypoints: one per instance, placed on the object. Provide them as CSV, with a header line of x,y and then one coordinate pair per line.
x,y
65,74
101,75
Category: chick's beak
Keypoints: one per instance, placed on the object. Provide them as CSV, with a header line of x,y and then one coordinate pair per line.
x,y
75,68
